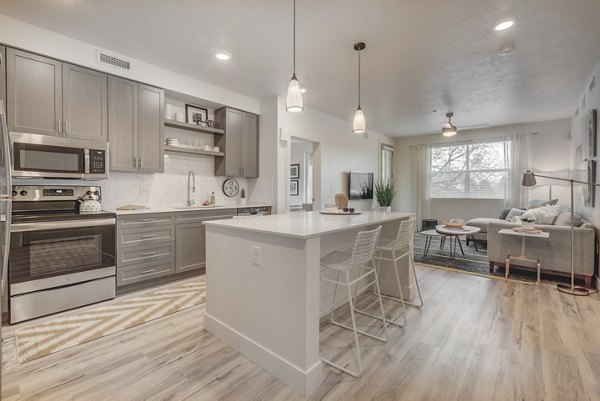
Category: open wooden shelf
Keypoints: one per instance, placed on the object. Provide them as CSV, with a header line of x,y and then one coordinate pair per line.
x,y
193,127
192,151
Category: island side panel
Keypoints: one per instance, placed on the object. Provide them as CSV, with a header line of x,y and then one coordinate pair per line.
x,y
270,313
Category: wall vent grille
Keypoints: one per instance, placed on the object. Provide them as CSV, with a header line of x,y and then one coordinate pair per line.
x,y
113,61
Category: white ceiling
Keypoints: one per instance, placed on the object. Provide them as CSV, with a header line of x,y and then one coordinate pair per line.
x,y
421,54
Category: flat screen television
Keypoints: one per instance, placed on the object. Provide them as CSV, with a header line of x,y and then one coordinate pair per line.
x,y
360,185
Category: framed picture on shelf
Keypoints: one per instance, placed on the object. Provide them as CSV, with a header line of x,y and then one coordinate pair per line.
x,y
195,114
294,187
294,171
593,133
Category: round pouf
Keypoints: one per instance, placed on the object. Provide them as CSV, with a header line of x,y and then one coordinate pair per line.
x,y
428,224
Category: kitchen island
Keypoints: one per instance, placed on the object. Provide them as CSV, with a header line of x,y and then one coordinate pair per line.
x,y
264,294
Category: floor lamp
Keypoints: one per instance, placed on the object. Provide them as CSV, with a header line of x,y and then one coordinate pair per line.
x,y
529,181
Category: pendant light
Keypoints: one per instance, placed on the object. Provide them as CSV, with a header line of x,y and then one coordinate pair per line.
x,y
294,103
448,129
359,125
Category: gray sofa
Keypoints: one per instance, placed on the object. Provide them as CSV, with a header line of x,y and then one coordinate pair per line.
x,y
554,252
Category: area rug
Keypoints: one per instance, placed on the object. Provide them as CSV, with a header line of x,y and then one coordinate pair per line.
x,y
473,261
65,332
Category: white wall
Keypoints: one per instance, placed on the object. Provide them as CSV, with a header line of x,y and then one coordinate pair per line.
x,y
579,133
298,150
32,38
338,151
548,150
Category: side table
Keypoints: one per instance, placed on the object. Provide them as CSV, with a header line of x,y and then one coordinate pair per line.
x,y
523,235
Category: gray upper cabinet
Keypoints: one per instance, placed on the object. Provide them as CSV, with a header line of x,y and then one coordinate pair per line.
x,y
122,124
190,243
34,93
240,143
84,103
249,145
2,91
48,97
135,126
151,129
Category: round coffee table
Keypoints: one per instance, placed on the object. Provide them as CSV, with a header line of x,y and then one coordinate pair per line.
x,y
455,233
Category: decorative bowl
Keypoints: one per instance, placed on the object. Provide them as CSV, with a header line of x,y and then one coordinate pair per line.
x,y
454,223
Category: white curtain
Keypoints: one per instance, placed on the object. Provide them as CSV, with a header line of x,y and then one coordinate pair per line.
x,y
516,195
421,181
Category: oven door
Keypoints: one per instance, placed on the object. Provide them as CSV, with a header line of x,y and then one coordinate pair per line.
x,y
53,254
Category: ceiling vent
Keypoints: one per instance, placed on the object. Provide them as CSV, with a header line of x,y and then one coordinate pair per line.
x,y
113,61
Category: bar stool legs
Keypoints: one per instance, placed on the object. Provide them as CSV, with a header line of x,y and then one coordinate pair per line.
x,y
353,310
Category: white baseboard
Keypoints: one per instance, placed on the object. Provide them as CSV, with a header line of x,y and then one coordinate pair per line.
x,y
305,382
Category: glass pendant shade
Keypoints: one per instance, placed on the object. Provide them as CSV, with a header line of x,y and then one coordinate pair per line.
x,y
359,126
294,102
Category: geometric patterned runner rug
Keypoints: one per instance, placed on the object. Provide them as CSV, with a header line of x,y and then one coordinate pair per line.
x,y
47,338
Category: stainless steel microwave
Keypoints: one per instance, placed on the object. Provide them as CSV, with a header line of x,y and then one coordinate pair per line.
x,y
45,156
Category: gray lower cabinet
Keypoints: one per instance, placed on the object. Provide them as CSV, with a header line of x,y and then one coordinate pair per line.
x,y
240,143
135,126
191,246
34,93
156,245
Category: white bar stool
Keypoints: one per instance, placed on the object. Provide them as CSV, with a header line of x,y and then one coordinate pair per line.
x,y
399,248
361,258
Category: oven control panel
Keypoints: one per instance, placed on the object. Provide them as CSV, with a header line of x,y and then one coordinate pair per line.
x,y
31,193
97,161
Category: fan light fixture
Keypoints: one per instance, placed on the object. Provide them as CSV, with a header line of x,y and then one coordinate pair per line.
x,y
294,103
448,129
359,125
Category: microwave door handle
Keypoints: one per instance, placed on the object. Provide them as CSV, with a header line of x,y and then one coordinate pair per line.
x,y
86,155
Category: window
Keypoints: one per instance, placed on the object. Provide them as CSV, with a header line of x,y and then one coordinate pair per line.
x,y
387,163
479,170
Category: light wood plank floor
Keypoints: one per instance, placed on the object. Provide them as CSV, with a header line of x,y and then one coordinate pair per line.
x,y
475,339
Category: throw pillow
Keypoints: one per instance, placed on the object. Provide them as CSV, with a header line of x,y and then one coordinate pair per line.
x,y
514,213
535,203
542,215
564,219
504,213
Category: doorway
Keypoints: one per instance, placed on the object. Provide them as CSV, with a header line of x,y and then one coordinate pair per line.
x,y
302,180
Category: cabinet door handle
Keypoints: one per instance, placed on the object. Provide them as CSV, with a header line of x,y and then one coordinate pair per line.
x,y
59,127
140,163
135,162
147,220
148,271
66,127
148,253
148,236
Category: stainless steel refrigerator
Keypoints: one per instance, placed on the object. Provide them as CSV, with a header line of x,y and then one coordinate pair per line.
x,y
5,213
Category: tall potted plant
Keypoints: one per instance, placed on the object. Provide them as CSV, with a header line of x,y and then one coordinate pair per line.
x,y
385,191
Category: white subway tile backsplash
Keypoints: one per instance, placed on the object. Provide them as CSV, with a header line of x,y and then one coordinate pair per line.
x,y
169,189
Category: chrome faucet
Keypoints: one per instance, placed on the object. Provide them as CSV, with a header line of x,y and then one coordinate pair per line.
x,y
191,175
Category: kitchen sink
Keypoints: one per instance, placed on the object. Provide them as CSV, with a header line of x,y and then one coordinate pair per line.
x,y
196,207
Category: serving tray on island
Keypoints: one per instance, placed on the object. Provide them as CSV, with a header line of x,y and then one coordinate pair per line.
x,y
338,212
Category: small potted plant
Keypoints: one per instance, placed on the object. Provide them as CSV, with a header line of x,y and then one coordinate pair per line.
x,y
527,223
385,191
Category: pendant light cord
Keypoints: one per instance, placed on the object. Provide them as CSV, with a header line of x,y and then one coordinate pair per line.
x,y
359,79
294,37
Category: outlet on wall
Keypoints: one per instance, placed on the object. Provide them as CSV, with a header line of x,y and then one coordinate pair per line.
x,y
256,255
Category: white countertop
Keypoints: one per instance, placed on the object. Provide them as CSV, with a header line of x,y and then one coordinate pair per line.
x,y
306,224
181,209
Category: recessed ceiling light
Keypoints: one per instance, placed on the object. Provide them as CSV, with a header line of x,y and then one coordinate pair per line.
x,y
222,56
504,25
303,90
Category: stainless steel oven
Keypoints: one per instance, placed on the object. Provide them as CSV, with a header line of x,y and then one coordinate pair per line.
x,y
59,259
46,156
